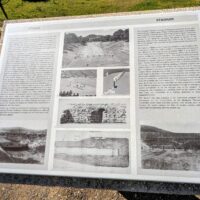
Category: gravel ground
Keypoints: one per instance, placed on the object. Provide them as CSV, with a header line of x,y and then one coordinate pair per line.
x,y
26,192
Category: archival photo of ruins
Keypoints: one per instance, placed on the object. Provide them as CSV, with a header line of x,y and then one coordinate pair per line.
x,y
169,150
96,48
22,145
78,83
92,150
94,112
116,82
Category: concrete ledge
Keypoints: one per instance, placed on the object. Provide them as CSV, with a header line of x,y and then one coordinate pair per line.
x,y
120,185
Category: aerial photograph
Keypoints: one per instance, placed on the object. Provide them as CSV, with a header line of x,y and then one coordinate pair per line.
x,y
96,48
78,83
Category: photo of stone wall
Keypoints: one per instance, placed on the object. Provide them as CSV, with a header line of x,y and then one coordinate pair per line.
x,y
90,112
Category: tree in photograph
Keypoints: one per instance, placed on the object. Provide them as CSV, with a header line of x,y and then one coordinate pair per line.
x,y
66,117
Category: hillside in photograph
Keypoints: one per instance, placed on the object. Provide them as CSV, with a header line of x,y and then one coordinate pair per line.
x,y
21,145
167,150
119,35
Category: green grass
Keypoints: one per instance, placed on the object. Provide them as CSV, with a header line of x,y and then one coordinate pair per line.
x,y
18,9
164,4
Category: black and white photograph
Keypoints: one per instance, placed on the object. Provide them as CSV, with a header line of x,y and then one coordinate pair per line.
x,y
116,82
170,148
96,48
22,144
78,83
92,151
94,112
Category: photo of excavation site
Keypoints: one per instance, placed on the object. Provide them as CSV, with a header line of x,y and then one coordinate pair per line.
x,y
96,48
87,150
22,145
94,112
78,83
166,150
116,82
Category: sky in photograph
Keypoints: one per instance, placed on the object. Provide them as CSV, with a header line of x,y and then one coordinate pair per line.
x,y
176,126
96,32
80,135
29,124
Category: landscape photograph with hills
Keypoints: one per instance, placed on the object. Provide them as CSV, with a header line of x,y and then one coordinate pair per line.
x,y
96,48
22,145
169,150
